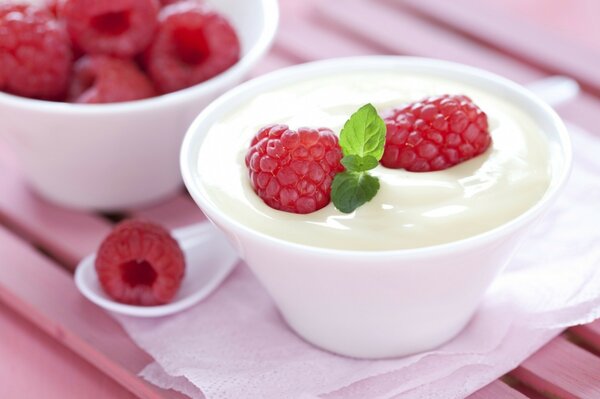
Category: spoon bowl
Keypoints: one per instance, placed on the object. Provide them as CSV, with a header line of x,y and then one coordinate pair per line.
x,y
209,260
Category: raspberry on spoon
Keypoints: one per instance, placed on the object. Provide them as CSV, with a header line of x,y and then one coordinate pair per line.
x,y
435,133
292,171
140,263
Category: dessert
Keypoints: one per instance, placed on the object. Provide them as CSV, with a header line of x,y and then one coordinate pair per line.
x,y
140,263
411,209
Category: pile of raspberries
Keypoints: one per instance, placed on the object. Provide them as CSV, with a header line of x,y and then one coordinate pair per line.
x,y
103,51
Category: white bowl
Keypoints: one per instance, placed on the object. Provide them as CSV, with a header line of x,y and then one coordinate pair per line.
x,y
377,304
115,156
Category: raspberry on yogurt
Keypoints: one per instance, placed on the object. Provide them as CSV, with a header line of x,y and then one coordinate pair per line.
x,y
435,133
291,170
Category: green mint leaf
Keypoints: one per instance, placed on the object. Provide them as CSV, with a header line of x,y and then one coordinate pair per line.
x,y
356,163
364,133
350,190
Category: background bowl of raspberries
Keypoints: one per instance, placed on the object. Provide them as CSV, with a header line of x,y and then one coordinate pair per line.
x,y
96,96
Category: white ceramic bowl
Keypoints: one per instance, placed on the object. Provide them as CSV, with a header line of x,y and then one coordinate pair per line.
x,y
121,155
378,303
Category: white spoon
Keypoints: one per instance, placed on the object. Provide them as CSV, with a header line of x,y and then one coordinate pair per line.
x,y
209,259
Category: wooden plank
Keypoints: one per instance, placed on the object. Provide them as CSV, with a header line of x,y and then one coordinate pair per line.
x,y
496,390
562,369
589,333
528,392
273,60
524,40
175,212
68,235
34,365
401,33
298,40
45,294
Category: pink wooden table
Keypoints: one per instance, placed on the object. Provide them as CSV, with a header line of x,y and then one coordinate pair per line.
x,y
55,344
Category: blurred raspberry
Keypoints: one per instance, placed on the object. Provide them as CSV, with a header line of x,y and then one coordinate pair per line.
x,y
193,44
103,79
121,28
35,53
140,263
52,6
292,171
435,133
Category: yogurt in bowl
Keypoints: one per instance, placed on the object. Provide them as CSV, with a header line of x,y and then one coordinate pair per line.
x,y
404,272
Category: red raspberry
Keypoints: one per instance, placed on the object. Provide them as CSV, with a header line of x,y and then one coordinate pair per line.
x,y
35,54
165,3
292,170
140,263
103,79
122,28
52,6
435,133
193,44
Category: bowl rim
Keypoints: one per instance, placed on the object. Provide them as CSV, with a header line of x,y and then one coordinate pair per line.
x,y
230,100
270,22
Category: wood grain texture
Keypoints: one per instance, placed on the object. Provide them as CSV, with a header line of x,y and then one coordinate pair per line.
x,y
418,37
34,365
174,212
544,48
68,235
562,369
497,390
589,333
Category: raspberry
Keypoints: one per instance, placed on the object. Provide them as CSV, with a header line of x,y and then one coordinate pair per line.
x,y
103,79
193,44
435,133
292,170
140,263
165,3
52,6
122,28
35,54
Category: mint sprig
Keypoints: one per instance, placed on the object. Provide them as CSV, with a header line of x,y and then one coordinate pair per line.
x,y
362,140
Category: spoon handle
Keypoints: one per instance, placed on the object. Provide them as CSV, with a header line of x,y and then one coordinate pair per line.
x,y
555,90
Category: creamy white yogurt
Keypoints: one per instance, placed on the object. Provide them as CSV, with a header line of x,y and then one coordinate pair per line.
x,y
410,210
